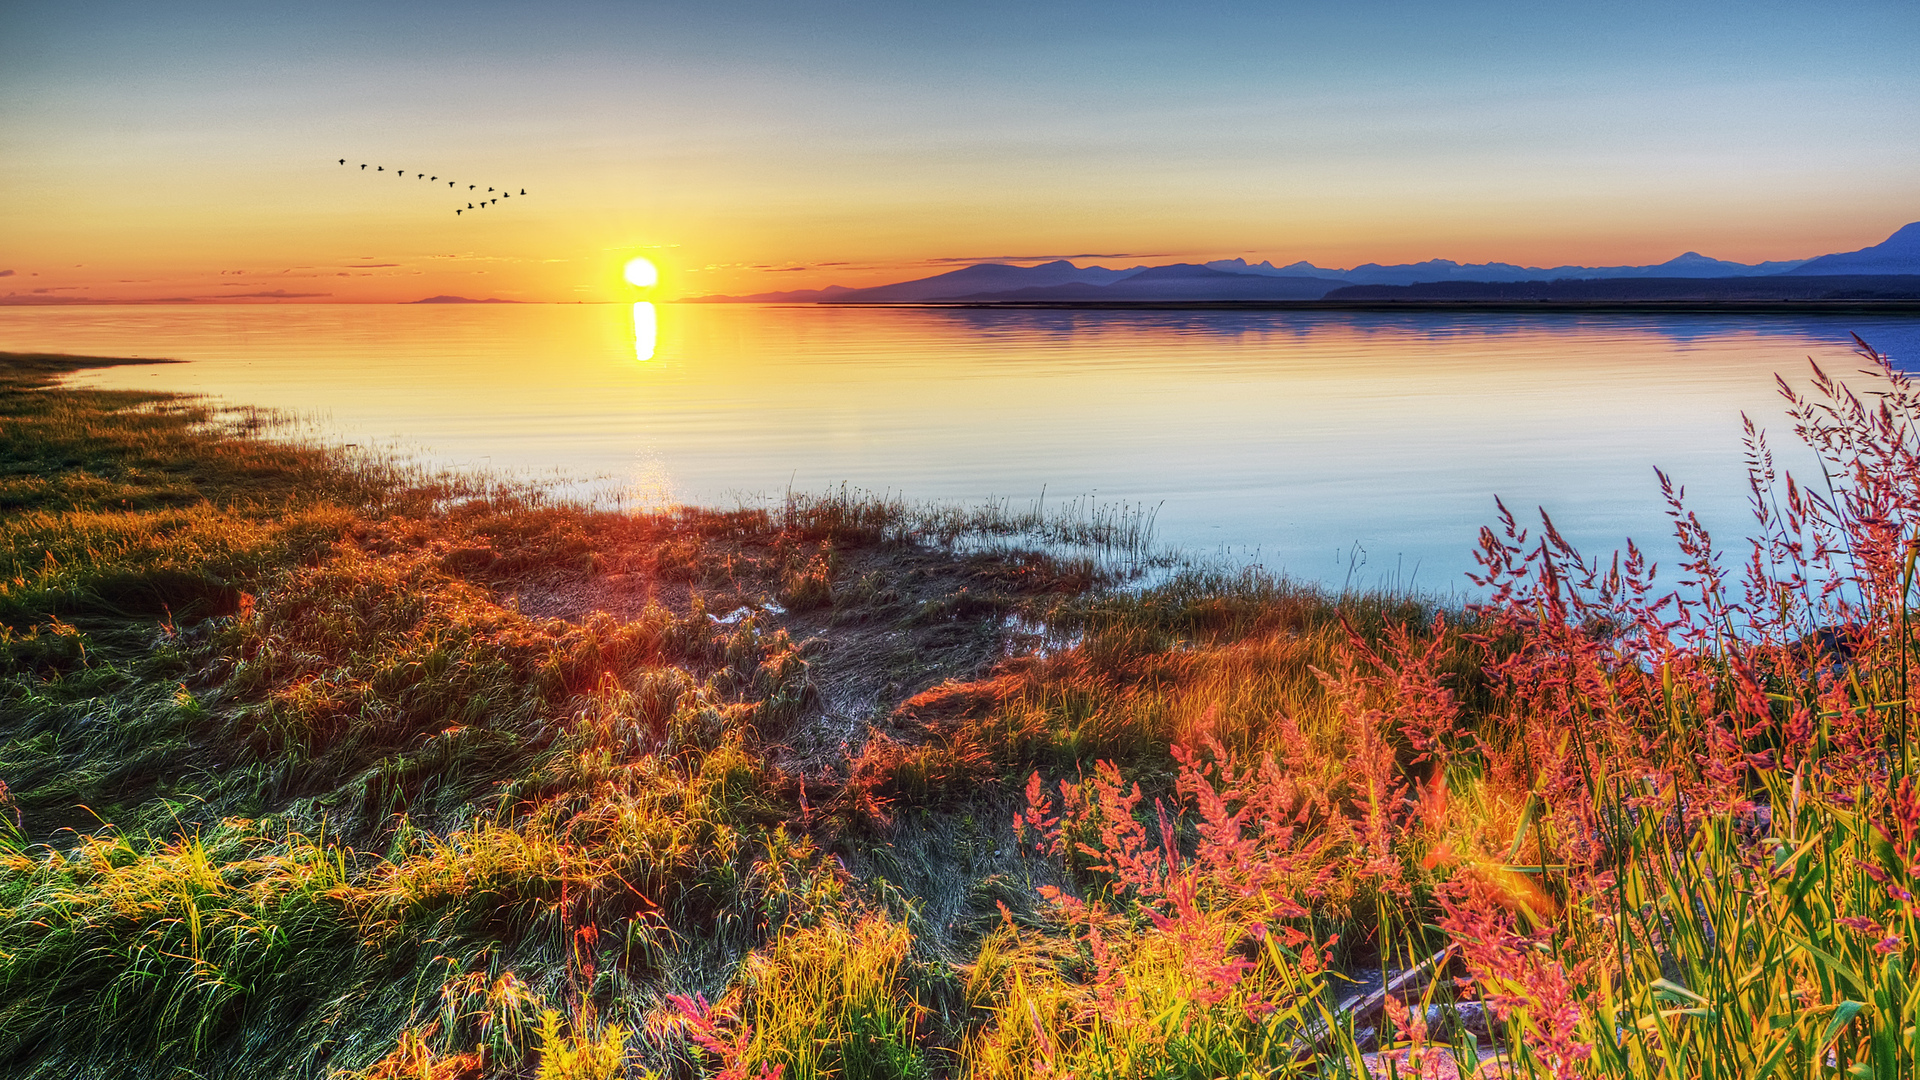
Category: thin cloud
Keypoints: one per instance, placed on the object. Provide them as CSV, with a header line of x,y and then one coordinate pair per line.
x,y
244,284
270,294
42,299
26,299
1051,258
6,273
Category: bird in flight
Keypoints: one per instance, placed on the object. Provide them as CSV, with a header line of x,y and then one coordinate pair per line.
x,y
496,193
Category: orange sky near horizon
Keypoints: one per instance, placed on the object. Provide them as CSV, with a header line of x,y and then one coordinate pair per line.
x,y
193,156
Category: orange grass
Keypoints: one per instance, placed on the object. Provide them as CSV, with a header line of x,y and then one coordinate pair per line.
x,y
1626,827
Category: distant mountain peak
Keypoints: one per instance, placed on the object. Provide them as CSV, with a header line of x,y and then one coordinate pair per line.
x,y
1897,254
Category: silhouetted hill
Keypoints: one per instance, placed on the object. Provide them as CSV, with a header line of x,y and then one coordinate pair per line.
x,y
985,277
1820,287
1897,254
791,296
461,300
1181,281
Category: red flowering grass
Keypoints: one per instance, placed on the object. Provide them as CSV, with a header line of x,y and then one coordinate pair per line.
x,y
1668,829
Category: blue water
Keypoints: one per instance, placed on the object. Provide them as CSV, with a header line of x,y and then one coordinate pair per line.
x,y
1349,449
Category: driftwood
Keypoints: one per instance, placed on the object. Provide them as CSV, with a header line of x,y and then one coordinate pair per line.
x,y
1365,1006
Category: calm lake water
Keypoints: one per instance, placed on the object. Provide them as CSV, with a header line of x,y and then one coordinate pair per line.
x,y
1343,448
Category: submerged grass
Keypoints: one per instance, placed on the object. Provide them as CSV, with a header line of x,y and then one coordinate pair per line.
x,y
314,766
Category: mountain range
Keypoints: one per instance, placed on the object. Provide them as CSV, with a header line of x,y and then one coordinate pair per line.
x,y
1684,276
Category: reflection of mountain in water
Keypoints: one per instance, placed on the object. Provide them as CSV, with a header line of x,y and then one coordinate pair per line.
x,y
1898,336
1181,281
1793,287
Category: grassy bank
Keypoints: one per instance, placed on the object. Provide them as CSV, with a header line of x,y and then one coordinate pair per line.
x,y
318,766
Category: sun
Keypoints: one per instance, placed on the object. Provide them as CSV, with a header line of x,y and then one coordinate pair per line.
x,y
641,273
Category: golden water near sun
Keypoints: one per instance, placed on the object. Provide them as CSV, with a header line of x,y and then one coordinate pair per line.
x,y
1307,441
646,331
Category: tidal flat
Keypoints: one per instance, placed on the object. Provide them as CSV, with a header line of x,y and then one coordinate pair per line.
x,y
314,764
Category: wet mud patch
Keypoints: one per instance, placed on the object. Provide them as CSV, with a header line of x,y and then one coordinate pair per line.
x,y
879,625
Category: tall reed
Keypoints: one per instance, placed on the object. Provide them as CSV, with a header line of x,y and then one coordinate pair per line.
x,y
1653,830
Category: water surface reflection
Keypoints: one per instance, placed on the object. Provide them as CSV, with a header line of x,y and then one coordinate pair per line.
x,y
646,331
1339,447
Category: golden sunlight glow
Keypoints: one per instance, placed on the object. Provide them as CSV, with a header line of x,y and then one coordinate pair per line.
x,y
645,325
641,273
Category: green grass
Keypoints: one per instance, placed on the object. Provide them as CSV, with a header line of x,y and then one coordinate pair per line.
x,y
291,778
315,766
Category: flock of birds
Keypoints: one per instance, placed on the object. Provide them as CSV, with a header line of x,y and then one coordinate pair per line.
x,y
485,200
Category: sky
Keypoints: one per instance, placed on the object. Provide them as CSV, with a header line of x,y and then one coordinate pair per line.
x,y
189,151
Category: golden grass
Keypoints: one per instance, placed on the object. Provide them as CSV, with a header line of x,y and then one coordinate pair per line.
x,y
375,822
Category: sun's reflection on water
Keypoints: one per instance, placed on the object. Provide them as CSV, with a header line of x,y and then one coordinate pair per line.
x,y
646,330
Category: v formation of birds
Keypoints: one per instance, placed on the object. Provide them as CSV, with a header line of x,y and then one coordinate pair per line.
x,y
486,199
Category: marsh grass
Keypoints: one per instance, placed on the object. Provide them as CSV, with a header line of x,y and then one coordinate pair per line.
x,y
166,943
221,642
371,817
1653,833
201,623
1111,540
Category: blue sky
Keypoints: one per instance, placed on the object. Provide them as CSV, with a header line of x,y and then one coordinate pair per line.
x,y
772,139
